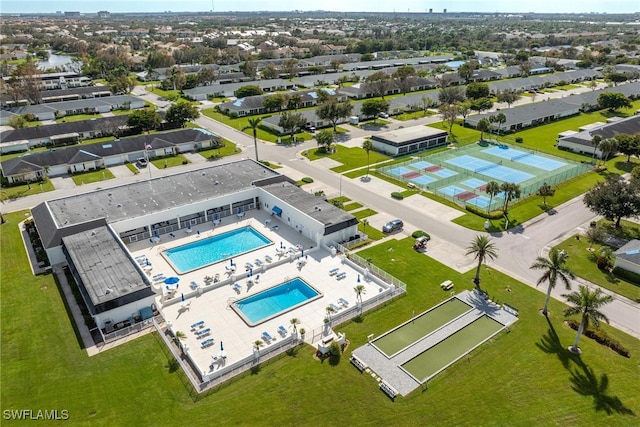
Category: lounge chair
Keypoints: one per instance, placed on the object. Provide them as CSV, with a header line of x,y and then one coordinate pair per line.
x,y
237,287
248,265
341,276
194,285
258,262
335,307
334,271
344,302
282,330
207,342
197,325
256,279
266,336
203,333
268,258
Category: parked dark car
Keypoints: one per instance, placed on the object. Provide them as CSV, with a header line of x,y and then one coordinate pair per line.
x,y
141,162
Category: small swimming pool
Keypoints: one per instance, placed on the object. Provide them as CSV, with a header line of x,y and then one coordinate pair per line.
x,y
201,253
274,301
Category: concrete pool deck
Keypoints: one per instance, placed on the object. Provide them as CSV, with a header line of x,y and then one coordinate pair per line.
x,y
212,305
389,369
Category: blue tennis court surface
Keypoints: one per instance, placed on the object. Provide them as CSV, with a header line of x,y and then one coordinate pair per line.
x,y
491,169
421,164
444,173
401,170
480,201
525,157
473,183
453,190
423,180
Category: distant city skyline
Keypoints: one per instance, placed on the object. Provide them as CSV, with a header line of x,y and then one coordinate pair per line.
x,y
501,6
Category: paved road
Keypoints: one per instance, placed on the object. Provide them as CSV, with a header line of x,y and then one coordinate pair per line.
x,y
518,248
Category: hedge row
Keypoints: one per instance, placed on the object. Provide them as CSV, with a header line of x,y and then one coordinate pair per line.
x,y
601,337
627,275
484,214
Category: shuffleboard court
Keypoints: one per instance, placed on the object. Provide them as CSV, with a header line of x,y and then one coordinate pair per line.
x,y
420,326
441,355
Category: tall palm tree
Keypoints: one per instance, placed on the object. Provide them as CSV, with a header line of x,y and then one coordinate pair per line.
x,y
294,324
481,248
595,141
608,147
587,302
253,124
367,146
359,291
492,189
553,268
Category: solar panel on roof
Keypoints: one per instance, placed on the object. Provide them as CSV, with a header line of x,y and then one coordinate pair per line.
x,y
633,252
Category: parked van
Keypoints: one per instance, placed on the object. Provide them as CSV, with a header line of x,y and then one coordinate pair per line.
x,y
393,225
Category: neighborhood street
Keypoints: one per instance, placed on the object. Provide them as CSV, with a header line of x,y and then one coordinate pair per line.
x,y
517,248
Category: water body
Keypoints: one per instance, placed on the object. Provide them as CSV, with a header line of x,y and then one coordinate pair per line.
x,y
55,60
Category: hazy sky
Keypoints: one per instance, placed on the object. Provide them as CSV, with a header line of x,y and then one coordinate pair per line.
x,y
505,6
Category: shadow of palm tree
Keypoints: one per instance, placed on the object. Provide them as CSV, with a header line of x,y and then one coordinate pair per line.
x,y
172,365
587,383
550,343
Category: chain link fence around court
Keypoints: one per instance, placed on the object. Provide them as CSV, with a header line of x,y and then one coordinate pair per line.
x,y
442,174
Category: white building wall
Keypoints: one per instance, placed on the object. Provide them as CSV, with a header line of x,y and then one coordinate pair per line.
x,y
626,265
120,314
292,217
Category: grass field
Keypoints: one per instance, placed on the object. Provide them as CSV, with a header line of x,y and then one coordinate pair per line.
x,y
440,355
92,176
421,326
44,367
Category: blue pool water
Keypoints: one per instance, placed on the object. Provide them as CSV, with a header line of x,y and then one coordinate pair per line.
x,y
208,251
274,301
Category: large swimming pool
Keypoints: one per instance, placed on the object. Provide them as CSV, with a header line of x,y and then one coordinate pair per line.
x,y
274,301
201,253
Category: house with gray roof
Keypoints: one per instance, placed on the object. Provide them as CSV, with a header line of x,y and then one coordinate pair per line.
x,y
580,142
80,158
90,232
56,110
628,257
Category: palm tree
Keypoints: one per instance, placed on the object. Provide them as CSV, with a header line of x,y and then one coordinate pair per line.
x,y
359,291
553,268
587,302
481,248
483,126
253,124
595,141
608,146
294,324
492,189
367,146
179,337
330,311
545,191
257,344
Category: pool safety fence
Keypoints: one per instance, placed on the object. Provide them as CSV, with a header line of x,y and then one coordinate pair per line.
x,y
126,331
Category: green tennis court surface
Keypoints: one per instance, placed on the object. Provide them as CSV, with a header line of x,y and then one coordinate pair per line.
x,y
439,356
420,326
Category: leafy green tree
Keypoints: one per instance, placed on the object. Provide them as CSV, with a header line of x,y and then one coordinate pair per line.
x,y
206,76
545,191
144,119
254,124
406,78
325,139
614,199
586,302
451,95
333,110
269,72
367,146
249,69
176,77
294,324
477,90
483,126
378,83
273,102
182,112
290,67
292,122
628,145
616,78
481,104
373,107
359,290
464,108
608,146
508,96
449,114
553,269
248,90
294,102
481,248
466,70
595,235
613,101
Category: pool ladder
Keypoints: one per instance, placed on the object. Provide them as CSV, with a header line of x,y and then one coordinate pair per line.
x,y
230,301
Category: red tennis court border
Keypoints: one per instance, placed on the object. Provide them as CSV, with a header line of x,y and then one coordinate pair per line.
x,y
467,195
411,175
433,168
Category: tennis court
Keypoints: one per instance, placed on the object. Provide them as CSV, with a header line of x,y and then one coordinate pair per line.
x,y
435,359
462,174
420,326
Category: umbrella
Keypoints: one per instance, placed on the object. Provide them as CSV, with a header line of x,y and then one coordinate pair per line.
x,y
182,297
171,280
221,346
358,278
231,261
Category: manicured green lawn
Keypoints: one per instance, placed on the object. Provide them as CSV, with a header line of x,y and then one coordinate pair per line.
x,y
373,233
229,149
132,168
93,176
352,206
169,162
521,377
350,157
77,118
26,190
364,213
406,116
582,262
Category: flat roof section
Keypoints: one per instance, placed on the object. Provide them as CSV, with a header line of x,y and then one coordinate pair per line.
x,y
109,277
408,135
158,194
